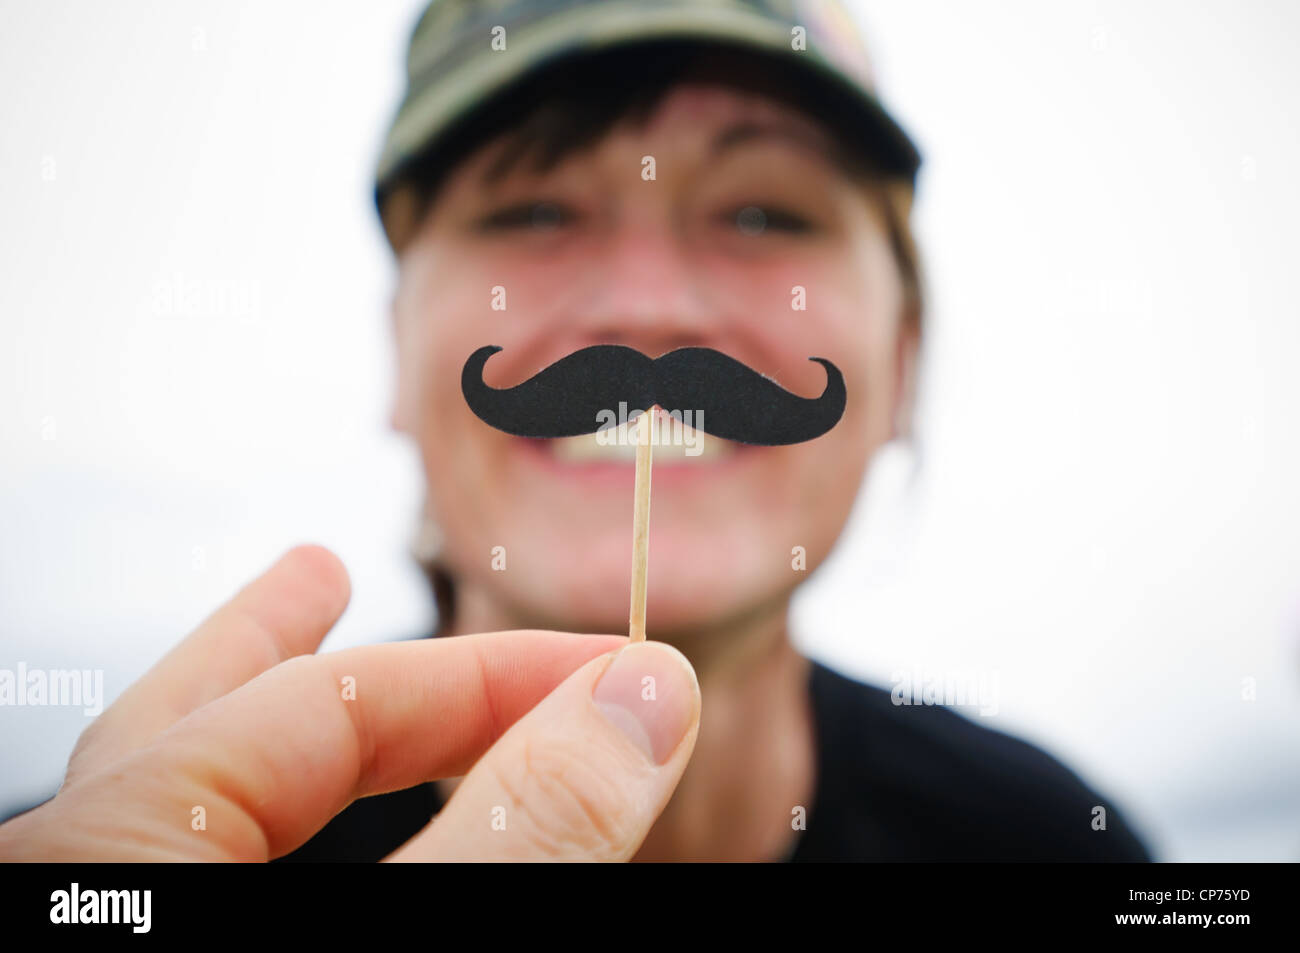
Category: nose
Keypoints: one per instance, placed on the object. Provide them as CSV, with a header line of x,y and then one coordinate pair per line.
x,y
643,291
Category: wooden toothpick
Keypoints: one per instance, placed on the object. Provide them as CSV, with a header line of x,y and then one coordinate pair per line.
x,y
640,528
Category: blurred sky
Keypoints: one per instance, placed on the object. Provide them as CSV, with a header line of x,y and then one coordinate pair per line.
x,y
195,363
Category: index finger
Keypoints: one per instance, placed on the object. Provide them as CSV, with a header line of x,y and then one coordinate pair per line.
x,y
284,612
273,761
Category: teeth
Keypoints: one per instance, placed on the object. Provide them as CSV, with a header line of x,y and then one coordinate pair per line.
x,y
676,444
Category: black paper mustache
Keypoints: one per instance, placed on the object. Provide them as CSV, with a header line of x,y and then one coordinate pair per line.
x,y
730,400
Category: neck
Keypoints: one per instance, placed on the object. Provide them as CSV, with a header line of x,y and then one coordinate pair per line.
x,y
755,755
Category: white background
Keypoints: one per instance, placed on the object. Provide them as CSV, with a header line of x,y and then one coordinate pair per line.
x,y
195,364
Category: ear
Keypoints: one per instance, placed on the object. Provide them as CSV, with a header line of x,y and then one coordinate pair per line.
x,y
400,216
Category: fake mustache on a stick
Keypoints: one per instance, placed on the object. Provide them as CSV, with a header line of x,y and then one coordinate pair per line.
x,y
576,394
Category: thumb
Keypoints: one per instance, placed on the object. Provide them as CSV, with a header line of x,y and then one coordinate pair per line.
x,y
582,776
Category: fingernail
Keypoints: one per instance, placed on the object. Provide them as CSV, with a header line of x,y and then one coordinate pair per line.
x,y
649,693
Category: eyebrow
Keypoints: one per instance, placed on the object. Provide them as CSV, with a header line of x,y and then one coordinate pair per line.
x,y
813,141
749,130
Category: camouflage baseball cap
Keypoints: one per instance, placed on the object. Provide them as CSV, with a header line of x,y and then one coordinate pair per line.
x,y
463,53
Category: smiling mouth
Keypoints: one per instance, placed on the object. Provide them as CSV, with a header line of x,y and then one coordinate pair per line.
x,y
677,446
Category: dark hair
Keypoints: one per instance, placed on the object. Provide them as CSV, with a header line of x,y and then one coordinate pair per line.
x,y
573,103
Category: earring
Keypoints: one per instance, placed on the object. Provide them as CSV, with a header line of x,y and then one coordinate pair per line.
x,y
426,545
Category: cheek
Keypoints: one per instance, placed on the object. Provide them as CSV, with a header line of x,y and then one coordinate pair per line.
x,y
434,338
436,331
861,322
852,319
412,375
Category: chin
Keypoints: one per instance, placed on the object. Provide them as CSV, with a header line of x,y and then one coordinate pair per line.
x,y
682,594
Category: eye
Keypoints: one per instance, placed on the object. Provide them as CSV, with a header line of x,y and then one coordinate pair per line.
x,y
755,220
539,215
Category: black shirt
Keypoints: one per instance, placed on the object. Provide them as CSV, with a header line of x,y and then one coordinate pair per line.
x,y
894,783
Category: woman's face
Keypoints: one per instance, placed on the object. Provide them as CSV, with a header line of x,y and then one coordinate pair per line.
x,y
595,252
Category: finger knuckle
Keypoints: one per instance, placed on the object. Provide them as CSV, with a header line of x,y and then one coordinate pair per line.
x,y
86,751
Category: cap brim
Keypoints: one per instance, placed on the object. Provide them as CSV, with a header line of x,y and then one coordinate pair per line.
x,y
446,93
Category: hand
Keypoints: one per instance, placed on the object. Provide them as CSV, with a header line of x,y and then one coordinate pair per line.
x,y
570,745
